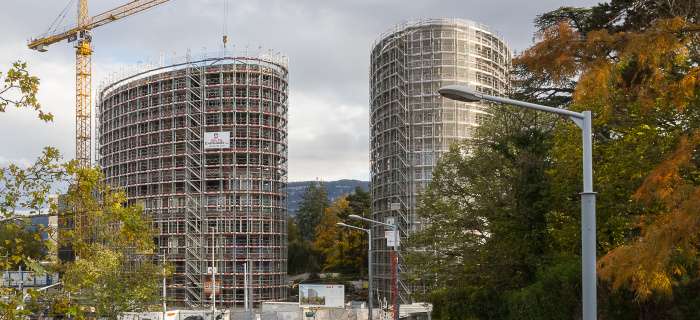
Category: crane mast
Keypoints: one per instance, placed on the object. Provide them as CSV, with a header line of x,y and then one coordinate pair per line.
x,y
83,89
82,36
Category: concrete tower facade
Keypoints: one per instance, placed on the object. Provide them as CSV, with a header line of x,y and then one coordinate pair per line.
x,y
411,125
201,143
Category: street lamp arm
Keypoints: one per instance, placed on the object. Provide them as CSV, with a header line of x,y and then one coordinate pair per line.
x,y
354,227
588,219
354,216
466,94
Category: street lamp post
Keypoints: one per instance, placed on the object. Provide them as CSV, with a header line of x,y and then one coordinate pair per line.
x,y
369,260
164,292
213,274
396,251
588,231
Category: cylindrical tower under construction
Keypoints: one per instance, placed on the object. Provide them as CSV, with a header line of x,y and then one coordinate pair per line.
x,y
202,145
411,125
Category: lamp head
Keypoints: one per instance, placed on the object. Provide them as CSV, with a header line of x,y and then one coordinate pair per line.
x,y
354,216
460,93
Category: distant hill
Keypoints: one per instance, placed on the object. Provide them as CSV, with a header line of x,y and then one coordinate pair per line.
x,y
335,189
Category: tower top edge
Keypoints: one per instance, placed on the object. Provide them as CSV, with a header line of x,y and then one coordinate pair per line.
x,y
131,72
438,22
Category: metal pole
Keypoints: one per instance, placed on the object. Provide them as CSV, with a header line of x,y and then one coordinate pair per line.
x,y
396,268
369,260
250,282
164,296
588,226
213,276
396,251
369,263
21,280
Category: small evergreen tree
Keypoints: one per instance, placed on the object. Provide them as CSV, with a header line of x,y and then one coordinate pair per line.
x,y
313,204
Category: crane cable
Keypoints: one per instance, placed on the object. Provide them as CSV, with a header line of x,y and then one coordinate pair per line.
x,y
61,16
225,22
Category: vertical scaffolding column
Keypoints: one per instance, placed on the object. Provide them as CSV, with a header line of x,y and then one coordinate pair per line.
x,y
195,233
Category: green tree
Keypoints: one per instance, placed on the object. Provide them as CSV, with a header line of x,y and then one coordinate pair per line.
x,y
301,256
359,204
313,204
107,276
24,191
636,65
486,208
117,271
18,239
343,249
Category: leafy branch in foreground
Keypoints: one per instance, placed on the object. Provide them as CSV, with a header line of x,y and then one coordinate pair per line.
x,y
20,90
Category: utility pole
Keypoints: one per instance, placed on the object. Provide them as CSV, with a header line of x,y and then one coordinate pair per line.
x,y
164,294
213,275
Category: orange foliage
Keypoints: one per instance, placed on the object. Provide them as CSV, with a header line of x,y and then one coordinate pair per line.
x,y
655,260
553,54
563,54
631,81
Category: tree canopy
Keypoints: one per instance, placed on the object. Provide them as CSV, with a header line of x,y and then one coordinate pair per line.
x,y
486,211
344,249
313,204
636,65
508,203
116,272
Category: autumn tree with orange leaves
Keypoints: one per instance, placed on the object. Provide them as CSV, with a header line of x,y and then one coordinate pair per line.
x,y
343,249
635,65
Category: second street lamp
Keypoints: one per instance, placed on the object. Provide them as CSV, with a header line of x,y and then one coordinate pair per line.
x,y
369,260
588,231
394,227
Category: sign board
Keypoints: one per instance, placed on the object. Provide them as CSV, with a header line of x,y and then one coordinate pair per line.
x,y
389,235
217,140
321,296
395,206
27,279
207,287
209,270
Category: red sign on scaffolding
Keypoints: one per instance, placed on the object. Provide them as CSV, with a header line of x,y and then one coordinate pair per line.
x,y
207,287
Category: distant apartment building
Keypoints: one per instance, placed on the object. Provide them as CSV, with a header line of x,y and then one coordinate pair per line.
x,y
411,125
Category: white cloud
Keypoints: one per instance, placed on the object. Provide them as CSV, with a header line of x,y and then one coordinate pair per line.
x,y
328,43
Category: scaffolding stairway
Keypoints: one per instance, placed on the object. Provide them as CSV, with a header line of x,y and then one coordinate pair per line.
x,y
401,169
194,262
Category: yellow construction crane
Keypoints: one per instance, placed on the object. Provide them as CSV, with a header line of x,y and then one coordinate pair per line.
x,y
82,36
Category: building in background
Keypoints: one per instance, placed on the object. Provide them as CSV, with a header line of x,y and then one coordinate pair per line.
x,y
201,143
411,125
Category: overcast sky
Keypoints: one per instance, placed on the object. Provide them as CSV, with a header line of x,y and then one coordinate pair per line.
x,y
328,44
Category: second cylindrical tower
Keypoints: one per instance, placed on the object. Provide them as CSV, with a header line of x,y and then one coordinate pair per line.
x,y
411,125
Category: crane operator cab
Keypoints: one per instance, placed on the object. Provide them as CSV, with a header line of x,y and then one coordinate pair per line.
x,y
79,37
